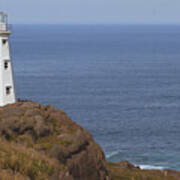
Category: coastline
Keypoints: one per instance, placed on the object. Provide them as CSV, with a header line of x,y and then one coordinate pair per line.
x,y
126,171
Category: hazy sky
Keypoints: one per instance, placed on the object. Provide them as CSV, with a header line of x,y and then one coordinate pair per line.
x,y
92,11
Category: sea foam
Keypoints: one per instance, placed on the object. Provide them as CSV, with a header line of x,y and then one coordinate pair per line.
x,y
151,167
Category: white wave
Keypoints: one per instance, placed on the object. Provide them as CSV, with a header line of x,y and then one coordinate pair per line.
x,y
161,105
109,155
151,167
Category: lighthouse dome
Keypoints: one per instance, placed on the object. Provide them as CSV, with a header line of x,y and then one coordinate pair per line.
x,y
3,17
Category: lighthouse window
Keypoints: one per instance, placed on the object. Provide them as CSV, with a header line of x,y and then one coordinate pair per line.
x,y
4,41
8,90
6,65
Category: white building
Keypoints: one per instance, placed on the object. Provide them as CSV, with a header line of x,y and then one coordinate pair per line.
x,y
7,90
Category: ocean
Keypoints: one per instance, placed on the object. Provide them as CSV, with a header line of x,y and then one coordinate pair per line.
x,y
120,82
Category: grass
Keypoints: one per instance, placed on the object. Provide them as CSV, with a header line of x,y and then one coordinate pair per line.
x,y
23,162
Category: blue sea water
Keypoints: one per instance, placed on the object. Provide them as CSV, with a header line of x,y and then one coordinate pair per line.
x,y
121,82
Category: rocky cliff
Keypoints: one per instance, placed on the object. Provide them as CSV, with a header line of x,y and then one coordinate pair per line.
x,y
38,142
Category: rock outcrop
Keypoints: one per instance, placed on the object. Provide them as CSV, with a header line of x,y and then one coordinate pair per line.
x,y
40,142
126,171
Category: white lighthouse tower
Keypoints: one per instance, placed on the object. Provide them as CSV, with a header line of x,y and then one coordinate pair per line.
x,y
7,90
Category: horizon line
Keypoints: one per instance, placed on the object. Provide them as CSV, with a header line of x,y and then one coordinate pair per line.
x,y
95,24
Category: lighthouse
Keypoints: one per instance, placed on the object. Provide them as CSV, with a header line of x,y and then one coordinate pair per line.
x,y
7,90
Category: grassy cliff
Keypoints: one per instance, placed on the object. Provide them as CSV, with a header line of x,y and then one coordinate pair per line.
x,y
40,142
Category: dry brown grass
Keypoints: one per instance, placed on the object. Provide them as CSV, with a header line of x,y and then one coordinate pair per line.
x,y
21,163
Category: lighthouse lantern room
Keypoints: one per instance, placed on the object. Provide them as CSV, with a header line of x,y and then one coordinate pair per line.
x,y
7,90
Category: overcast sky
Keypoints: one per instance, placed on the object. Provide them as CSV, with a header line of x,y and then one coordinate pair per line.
x,y
92,11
